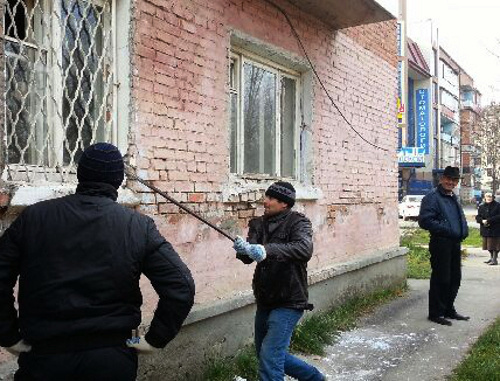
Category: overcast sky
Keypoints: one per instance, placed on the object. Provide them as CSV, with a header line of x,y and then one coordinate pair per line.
x,y
469,30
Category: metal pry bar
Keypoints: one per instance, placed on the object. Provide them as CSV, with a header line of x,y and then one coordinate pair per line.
x,y
132,176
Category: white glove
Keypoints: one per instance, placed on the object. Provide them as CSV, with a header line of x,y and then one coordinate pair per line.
x,y
19,348
141,345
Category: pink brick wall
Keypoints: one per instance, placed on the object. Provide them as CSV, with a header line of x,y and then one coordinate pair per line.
x,y
180,130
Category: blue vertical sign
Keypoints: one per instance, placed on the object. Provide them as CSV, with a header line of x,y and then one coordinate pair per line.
x,y
422,103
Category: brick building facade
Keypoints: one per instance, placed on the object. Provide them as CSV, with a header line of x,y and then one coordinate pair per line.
x,y
181,136
178,65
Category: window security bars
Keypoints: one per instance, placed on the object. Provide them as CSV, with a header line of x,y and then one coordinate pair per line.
x,y
59,71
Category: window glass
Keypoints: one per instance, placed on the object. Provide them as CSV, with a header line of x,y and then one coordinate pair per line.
x,y
84,82
288,95
233,104
259,121
263,134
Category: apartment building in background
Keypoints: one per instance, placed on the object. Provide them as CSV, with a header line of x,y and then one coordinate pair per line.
x,y
439,130
212,101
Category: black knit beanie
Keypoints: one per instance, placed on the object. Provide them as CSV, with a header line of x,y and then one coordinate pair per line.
x,y
102,163
283,191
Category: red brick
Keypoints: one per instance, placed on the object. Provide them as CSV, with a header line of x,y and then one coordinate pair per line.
x,y
196,197
178,175
183,186
188,26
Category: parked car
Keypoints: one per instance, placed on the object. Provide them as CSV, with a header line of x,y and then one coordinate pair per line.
x,y
409,207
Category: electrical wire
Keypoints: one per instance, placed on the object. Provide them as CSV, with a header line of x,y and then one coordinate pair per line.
x,y
297,37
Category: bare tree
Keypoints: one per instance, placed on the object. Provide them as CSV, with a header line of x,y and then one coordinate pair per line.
x,y
487,138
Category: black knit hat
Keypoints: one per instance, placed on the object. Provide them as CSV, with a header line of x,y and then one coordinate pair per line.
x,y
283,191
102,163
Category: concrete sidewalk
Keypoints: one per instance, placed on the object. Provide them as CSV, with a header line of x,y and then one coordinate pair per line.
x,y
398,343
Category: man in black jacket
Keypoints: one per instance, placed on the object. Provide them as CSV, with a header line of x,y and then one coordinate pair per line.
x,y
442,215
79,259
281,244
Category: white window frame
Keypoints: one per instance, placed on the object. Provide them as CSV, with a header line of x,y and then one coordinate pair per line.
x,y
240,57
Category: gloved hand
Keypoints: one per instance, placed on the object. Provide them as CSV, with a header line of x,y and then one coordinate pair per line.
x,y
240,245
256,252
141,345
18,348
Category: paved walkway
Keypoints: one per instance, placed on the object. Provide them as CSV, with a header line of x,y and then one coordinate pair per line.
x,y
398,343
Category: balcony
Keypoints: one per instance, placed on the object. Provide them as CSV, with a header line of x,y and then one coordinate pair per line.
x,y
448,115
469,104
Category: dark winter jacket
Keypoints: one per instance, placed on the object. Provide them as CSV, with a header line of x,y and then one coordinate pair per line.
x,y
491,213
442,215
281,279
79,259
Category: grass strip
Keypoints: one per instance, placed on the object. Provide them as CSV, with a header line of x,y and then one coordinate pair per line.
x,y
321,329
483,360
310,336
417,242
244,364
474,239
418,258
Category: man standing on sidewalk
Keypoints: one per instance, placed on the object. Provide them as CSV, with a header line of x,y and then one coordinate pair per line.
x,y
442,215
281,244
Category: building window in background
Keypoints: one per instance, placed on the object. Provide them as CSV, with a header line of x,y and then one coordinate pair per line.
x,y
58,80
264,100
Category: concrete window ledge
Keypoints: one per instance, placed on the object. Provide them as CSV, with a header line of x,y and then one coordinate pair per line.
x,y
25,195
246,298
239,187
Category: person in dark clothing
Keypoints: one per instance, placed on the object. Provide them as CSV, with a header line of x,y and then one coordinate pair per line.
x,y
281,244
79,259
442,215
488,217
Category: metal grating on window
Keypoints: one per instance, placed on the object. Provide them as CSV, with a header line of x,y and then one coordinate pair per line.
x,y
58,84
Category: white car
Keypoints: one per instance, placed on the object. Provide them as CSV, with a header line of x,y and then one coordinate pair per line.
x,y
409,207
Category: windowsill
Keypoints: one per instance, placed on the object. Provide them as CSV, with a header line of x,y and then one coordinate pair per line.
x,y
29,194
248,185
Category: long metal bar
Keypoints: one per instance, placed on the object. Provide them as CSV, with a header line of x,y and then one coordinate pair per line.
x,y
173,201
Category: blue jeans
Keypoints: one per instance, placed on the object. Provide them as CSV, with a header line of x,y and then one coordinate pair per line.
x,y
273,332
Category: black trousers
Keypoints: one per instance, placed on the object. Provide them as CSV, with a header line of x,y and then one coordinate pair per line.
x,y
445,277
110,364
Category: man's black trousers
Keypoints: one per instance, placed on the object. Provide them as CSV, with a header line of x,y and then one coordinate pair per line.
x,y
110,364
445,277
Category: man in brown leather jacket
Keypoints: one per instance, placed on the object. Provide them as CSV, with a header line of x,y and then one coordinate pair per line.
x,y
281,244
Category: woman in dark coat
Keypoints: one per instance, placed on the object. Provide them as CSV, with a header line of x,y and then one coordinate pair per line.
x,y
488,217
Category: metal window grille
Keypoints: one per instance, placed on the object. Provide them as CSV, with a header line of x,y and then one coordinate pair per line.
x,y
58,84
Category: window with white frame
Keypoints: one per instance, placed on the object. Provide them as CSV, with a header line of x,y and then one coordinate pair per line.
x,y
59,78
263,117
